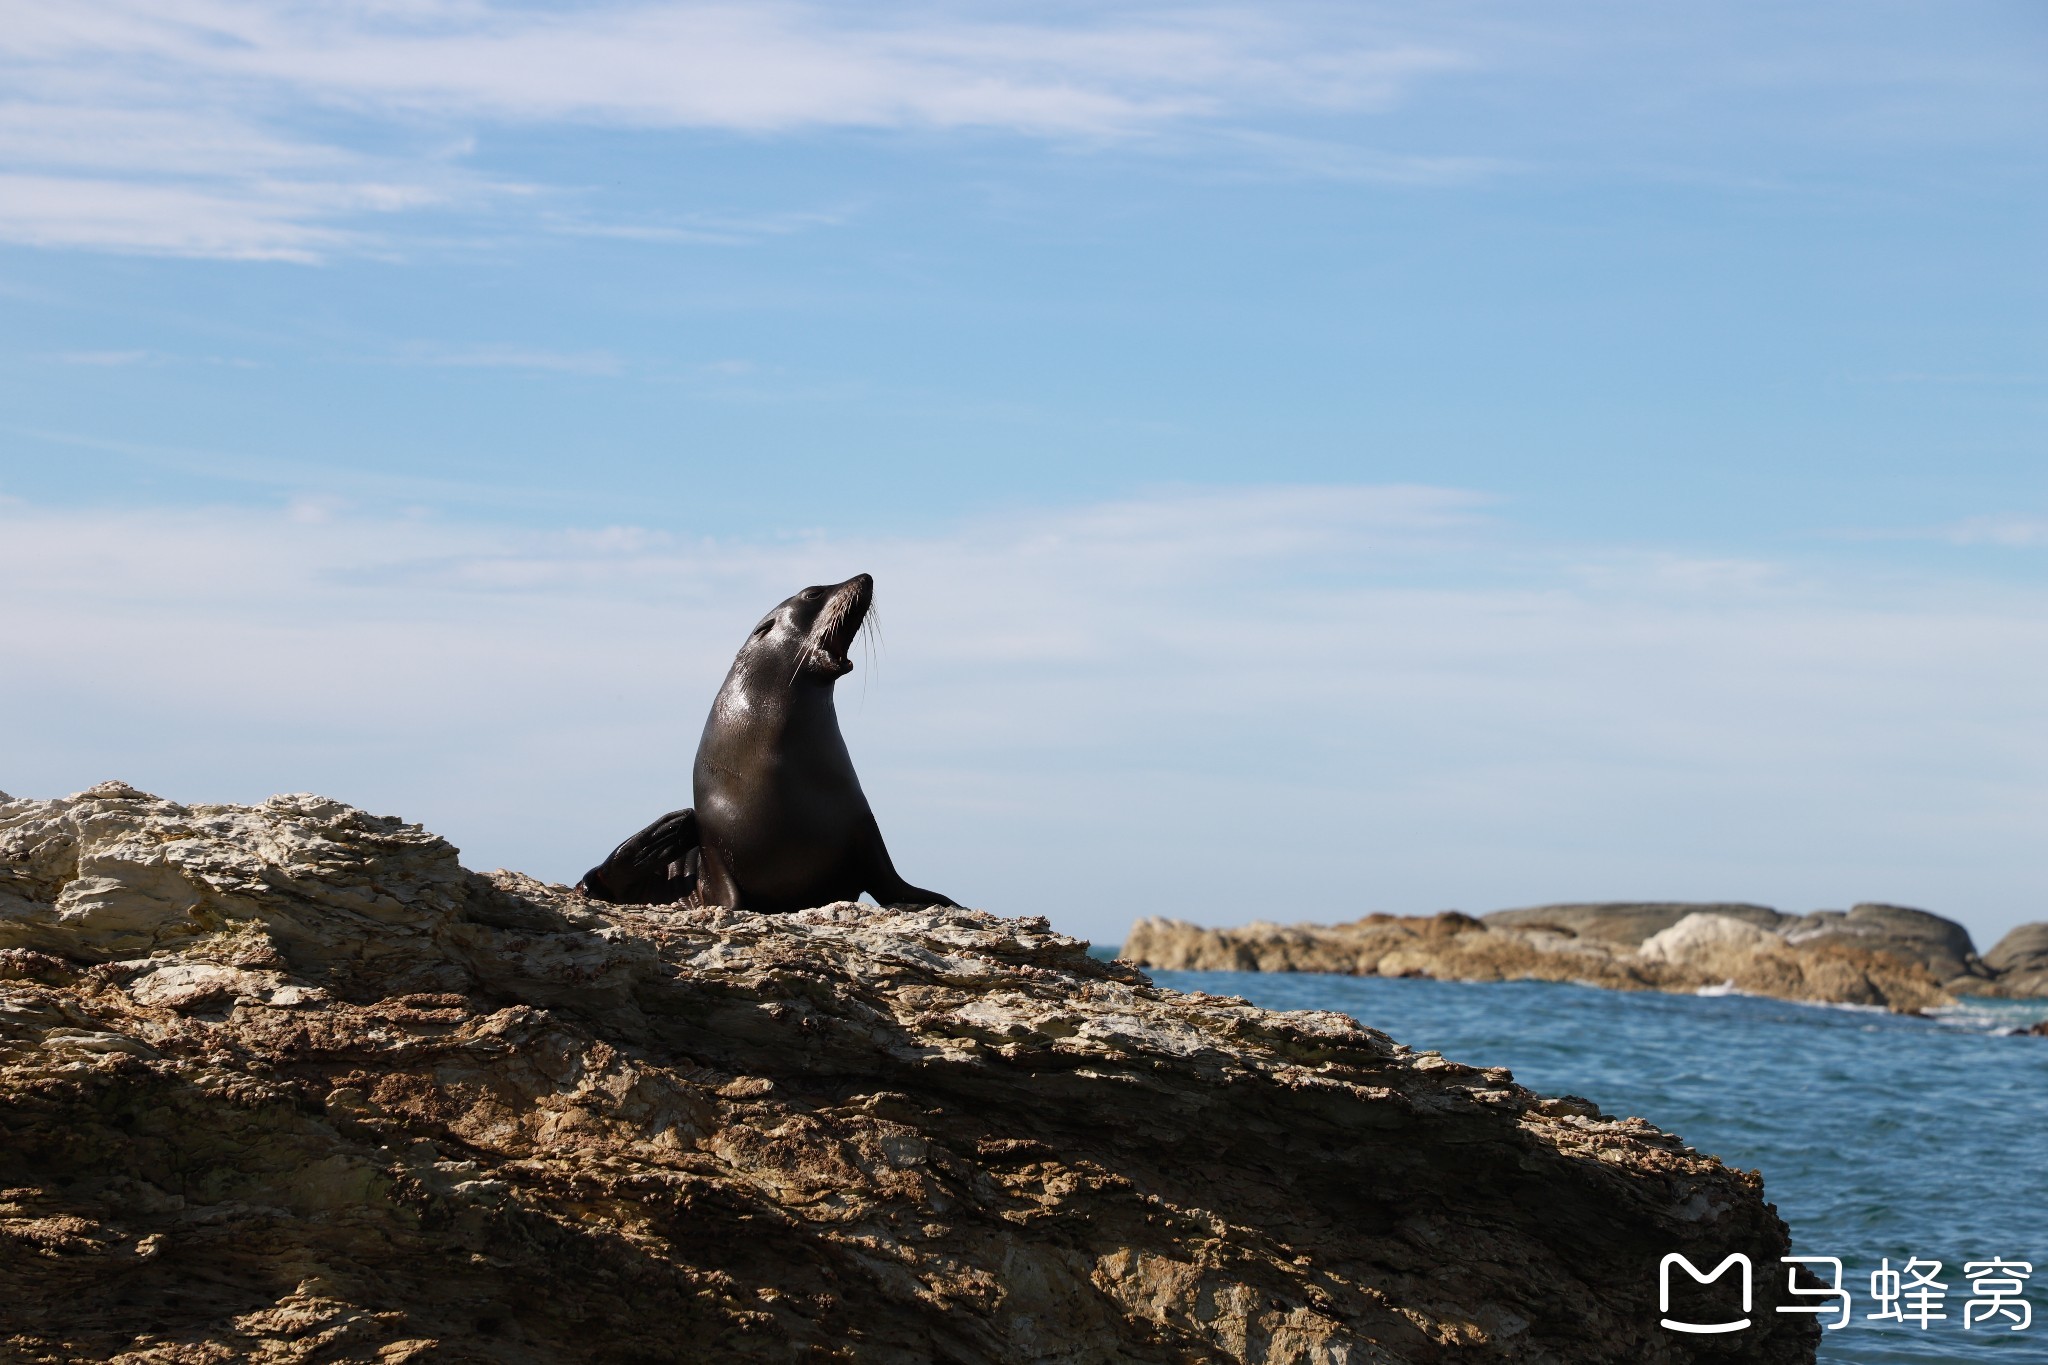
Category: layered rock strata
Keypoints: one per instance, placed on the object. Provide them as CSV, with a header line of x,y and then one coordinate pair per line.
x,y
1900,958
285,1083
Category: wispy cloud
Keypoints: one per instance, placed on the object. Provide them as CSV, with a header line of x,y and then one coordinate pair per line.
x,y
1964,379
1322,159
1286,702
122,359
184,127
753,67
2005,530
702,229
242,474
241,222
102,359
503,357
2013,530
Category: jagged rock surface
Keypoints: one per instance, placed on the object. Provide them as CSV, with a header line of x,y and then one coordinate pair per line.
x,y
286,1084
1903,959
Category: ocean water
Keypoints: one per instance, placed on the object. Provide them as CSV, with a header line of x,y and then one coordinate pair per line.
x,y
1877,1135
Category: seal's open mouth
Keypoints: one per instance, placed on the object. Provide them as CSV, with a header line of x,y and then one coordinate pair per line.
x,y
840,622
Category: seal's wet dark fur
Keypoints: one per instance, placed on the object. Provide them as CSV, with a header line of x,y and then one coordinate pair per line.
x,y
780,821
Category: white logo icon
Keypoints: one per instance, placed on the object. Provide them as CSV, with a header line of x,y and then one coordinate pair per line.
x,y
1664,1291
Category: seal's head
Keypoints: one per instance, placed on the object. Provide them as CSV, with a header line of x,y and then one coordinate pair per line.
x,y
815,628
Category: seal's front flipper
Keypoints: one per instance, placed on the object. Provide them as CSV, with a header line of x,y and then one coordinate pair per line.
x,y
716,885
886,886
654,867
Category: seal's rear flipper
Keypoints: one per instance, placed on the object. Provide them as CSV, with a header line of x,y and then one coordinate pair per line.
x,y
655,867
886,885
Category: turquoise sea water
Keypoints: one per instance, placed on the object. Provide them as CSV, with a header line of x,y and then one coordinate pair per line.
x,y
1878,1135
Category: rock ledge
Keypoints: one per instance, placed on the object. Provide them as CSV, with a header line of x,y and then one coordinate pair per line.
x,y
285,1083
1890,955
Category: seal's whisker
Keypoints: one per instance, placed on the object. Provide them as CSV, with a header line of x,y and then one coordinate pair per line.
x,y
868,628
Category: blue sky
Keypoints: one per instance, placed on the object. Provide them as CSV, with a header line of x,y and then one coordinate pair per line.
x,y
1316,459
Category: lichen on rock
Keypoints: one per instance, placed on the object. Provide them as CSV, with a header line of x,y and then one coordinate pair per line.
x,y
286,1083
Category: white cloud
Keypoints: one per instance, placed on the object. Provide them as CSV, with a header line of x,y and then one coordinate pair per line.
x,y
2012,530
759,67
166,139
266,221
503,357
103,359
702,229
1965,379
1283,702
175,220
180,126
2006,530
299,121
1274,153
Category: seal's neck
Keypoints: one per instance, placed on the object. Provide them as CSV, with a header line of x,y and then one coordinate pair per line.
x,y
777,694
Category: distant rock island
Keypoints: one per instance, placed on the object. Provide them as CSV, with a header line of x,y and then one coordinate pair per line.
x,y
1890,955
286,1083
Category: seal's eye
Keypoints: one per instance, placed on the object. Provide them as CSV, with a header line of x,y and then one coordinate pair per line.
x,y
812,594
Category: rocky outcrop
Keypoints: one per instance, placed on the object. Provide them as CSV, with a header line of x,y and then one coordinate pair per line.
x,y
1940,945
1903,959
1625,925
285,1083
2021,961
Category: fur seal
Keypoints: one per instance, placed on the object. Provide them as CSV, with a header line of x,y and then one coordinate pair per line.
x,y
780,821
